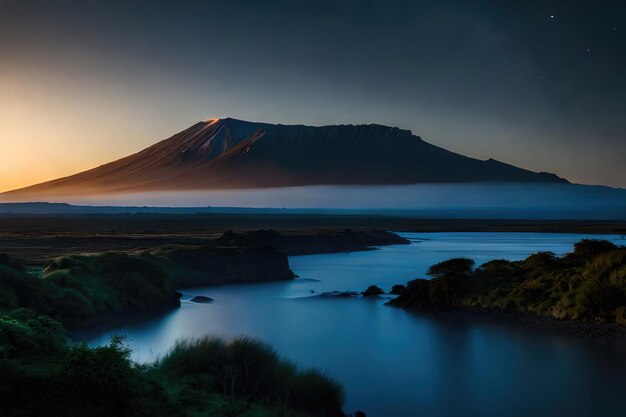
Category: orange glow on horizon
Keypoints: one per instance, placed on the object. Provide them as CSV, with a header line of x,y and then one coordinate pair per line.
x,y
52,127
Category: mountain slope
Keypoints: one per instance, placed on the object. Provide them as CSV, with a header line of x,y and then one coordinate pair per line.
x,y
230,153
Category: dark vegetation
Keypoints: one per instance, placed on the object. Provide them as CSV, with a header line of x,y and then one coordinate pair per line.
x,y
81,290
245,368
42,375
397,289
193,266
323,241
39,239
587,285
372,291
26,225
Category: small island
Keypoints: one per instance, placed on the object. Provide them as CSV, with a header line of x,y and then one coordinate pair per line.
x,y
201,299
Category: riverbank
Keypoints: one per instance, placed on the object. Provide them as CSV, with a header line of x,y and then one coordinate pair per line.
x,y
42,374
581,293
86,289
394,362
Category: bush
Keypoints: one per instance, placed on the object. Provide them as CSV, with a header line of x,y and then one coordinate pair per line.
x,y
588,284
452,267
316,393
102,377
41,375
80,290
11,263
541,262
591,247
246,368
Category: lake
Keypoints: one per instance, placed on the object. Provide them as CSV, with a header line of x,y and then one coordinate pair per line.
x,y
395,363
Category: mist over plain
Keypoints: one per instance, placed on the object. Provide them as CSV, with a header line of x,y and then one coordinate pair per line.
x,y
457,200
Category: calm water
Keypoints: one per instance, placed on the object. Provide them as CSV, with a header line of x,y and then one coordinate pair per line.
x,y
393,363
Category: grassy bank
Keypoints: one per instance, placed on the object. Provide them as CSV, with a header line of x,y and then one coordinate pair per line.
x,y
44,375
80,290
587,285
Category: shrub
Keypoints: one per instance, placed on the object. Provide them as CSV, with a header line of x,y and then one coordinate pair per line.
x,y
588,284
246,368
592,247
451,267
541,262
42,375
11,263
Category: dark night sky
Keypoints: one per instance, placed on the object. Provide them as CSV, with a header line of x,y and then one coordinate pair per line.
x,y
537,84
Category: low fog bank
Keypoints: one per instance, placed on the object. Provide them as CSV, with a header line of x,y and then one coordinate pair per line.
x,y
463,200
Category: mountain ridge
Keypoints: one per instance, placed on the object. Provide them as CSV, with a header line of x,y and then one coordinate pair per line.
x,y
228,153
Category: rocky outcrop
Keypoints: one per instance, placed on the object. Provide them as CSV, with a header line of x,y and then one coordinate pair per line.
x,y
201,299
372,291
339,294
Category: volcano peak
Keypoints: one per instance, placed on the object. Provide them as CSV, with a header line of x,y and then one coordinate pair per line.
x,y
223,153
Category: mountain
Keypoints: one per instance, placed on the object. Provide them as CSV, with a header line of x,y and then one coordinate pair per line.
x,y
229,153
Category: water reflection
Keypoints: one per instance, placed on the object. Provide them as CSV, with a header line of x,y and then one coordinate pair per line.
x,y
394,363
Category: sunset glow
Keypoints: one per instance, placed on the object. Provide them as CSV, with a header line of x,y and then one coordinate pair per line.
x,y
77,93
382,208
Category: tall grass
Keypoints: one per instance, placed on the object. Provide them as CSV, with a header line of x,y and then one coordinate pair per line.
x,y
247,368
43,375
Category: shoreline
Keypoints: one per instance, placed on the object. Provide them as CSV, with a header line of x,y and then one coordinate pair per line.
x,y
316,241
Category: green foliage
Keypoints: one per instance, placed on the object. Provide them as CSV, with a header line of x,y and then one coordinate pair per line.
x,y
22,333
11,263
587,248
42,375
79,290
452,267
541,262
449,280
588,284
245,368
